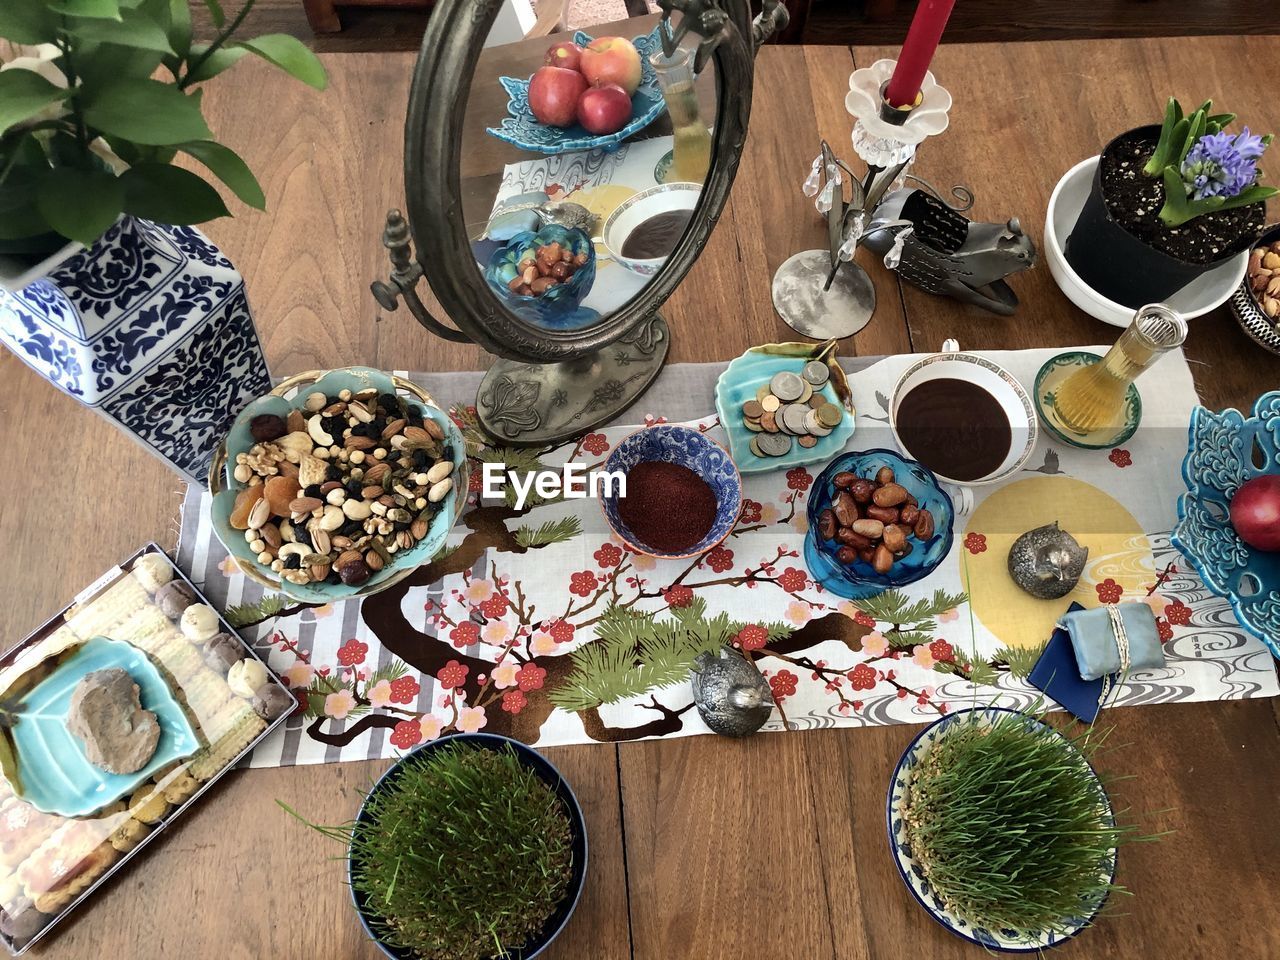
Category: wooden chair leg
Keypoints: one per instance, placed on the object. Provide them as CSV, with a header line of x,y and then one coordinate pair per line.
x,y
322,16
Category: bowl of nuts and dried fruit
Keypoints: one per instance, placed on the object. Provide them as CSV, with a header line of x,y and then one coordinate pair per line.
x,y
338,484
543,276
1257,303
876,521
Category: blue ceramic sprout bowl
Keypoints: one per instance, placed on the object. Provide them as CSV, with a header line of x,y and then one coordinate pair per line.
x,y
1226,449
860,580
558,308
545,771
521,128
671,443
224,487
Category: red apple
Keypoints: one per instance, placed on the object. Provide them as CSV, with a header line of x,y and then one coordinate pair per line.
x,y
1255,512
604,109
554,93
612,60
565,54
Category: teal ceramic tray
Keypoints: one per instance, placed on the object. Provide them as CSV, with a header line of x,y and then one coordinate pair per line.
x,y
52,772
754,369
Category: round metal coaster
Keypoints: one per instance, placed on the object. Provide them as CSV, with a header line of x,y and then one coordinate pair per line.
x,y
822,314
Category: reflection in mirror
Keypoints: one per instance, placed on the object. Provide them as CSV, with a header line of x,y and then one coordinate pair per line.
x,y
583,158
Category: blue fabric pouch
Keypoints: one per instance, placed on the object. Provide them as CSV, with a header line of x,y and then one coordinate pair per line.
x,y
1094,640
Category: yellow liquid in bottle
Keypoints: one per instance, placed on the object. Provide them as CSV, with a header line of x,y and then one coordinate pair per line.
x,y
691,152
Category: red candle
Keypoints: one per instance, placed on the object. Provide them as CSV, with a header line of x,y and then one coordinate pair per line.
x,y
922,40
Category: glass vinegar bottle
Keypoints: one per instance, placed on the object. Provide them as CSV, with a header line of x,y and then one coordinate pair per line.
x,y
691,149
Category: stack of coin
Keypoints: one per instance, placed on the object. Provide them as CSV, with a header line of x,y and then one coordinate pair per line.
x,y
791,405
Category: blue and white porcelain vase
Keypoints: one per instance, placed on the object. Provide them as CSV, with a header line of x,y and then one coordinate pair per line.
x,y
151,328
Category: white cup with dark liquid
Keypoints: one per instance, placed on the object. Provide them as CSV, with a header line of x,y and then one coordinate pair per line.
x,y
643,230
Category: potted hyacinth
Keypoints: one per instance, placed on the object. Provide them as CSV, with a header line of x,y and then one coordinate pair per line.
x,y
1168,204
107,289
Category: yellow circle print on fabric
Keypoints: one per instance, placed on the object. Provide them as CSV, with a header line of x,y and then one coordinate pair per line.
x,y
1119,552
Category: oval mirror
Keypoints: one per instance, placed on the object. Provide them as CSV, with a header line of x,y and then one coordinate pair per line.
x,y
559,185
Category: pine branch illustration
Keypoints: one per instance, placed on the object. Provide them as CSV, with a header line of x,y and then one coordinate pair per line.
x,y
1019,660
248,614
553,531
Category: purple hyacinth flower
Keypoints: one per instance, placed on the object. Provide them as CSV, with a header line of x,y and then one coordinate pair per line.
x,y
1222,165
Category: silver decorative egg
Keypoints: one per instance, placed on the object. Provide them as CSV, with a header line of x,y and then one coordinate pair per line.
x,y
732,696
1047,562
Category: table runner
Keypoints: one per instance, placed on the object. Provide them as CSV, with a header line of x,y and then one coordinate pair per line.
x,y
543,627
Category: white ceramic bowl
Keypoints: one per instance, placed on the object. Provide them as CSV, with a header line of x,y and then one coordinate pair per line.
x,y
638,208
1197,298
991,377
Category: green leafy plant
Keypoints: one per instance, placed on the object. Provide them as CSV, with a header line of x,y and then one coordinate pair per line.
x,y
88,132
1203,168
1010,825
464,855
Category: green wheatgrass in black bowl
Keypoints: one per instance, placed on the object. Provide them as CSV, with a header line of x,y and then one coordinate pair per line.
x,y
462,852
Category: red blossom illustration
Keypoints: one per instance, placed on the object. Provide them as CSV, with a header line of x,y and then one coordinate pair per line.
x,y
1109,591
530,676
783,684
609,555
752,637
1166,630
513,701
720,559
975,543
405,689
942,651
582,584
476,483
452,675
864,619
465,634
678,595
495,608
793,580
751,511
1120,457
352,652
798,478
560,630
862,677
595,443
1178,613
406,733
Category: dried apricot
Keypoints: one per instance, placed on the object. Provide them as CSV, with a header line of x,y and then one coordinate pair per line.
x,y
245,500
280,493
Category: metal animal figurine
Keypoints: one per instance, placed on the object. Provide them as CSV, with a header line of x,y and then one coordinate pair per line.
x,y
945,253
1047,562
518,214
733,698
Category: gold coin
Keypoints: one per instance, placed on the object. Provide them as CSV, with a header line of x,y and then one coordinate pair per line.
x,y
752,409
830,415
755,448
752,425
762,393
770,403
808,440
807,393
769,422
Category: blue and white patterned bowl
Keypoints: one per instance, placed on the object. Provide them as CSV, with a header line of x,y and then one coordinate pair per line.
x,y
557,309
690,448
860,580
1221,457
523,129
239,441
1003,941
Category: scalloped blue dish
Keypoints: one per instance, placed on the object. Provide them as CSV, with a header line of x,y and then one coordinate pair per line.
x,y
53,773
1001,941
560,307
523,130
1220,457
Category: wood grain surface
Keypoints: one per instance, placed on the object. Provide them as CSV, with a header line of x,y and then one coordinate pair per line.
x,y
701,848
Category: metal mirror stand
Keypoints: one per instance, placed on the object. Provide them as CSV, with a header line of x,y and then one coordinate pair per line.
x,y
549,385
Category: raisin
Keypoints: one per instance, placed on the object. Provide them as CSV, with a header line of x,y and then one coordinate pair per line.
x,y
292,562
314,491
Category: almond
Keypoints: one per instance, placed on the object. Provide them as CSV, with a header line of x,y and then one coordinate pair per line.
x,y
377,472
296,422
416,434
418,529
358,443
334,409
305,505
373,560
434,429
347,556
372,492
394,427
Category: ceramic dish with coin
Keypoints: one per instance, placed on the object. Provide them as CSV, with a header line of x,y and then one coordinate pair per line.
x,y
785,404
338,484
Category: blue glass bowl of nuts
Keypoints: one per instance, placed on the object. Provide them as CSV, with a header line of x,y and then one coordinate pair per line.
x,y
338,484
543,276
876,521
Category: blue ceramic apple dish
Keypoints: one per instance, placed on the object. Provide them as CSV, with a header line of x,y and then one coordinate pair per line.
x,y
559,307
859,580
521,127
1227,449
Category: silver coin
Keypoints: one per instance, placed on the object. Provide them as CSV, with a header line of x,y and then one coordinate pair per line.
x,y
794,417
816,372
786,386
815,426
774,444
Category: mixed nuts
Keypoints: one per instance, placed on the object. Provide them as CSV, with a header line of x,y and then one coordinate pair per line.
x,y
335,490
550,265
873,520
1264,280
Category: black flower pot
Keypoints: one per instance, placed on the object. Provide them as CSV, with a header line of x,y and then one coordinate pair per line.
x,y
1116,263
577,826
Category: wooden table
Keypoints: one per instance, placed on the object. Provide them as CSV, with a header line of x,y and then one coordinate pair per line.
x,y
702,848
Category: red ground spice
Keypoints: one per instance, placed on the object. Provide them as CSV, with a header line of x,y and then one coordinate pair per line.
x,y
668,508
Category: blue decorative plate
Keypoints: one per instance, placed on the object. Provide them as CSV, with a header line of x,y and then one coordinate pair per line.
x,y
753,370
53,774
523,129
1003,941
1225,450
671,443
861,580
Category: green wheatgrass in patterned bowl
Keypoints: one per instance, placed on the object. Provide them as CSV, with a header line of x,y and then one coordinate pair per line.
x,y
1010,824
464,855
